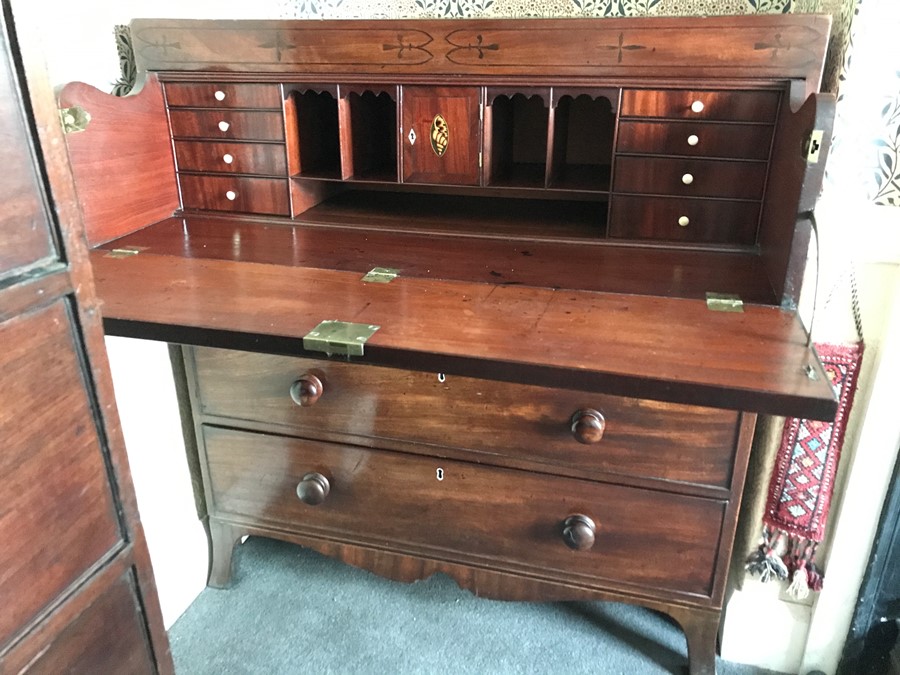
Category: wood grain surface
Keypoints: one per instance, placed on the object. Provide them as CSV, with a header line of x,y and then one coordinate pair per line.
x,y
649,347
127,138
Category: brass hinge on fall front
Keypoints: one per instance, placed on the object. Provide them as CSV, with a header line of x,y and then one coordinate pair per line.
x,y
724,302
380,275
74,119
125,252
813,146
339,337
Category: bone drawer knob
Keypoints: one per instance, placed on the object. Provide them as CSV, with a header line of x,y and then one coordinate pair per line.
x,y
220,95
687,179
693,139
231,195
307,390
313,489
684,221
224,126
228,158
579,532
697,106
588,426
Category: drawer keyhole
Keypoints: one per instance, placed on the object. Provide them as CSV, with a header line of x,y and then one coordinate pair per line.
x,y
440,474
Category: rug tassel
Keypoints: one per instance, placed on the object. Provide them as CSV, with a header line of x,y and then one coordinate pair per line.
x,y
765,561
799,588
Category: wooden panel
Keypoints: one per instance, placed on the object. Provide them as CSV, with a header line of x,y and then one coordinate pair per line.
x,y
51,454
708,177
248,125
232,193
467,511
743,106
661,218
127,138
642,438
676,273
223,95
459,107
108,637
689,47
648,347
710,139
256,158
25,236
794,187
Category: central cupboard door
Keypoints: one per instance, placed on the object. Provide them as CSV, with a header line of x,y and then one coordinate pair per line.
x,y
441,136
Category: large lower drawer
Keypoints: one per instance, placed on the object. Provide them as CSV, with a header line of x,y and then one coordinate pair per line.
x,y
466,512
641,438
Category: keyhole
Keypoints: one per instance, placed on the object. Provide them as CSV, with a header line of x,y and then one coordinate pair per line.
x,y
442,378
440,474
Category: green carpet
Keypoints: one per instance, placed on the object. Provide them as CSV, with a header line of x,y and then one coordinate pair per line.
x,y
291,610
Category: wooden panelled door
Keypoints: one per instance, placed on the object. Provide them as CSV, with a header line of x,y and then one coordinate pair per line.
x,y
76,590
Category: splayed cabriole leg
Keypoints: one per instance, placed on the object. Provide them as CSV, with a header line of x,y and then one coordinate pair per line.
x,y
222,538
700,628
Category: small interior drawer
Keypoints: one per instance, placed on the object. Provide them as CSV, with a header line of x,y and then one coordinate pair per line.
x,y
231,124
377,406
737,106
687,220
466,512
232,193
222,95
266,159
695,139
690,177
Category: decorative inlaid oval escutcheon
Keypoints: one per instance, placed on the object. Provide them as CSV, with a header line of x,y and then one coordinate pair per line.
x,y
313,489
579,532
440,135
307,390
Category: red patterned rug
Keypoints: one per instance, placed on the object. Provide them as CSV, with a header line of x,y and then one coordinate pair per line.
x,y
803,481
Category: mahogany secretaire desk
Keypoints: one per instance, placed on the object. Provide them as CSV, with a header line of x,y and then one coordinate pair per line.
x,y
557,262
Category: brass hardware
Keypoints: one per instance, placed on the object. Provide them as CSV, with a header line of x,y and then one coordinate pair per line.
x,y
339,337
412,137
693,139
697,106
380,275
74,119
440,135
813,146
724,302
684,221
687,179
125,252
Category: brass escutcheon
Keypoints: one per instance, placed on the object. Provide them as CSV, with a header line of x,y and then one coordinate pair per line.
x,y
440,135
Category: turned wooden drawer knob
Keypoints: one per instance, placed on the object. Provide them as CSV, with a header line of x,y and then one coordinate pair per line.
x,y
588,426
313,489
579,532
307,390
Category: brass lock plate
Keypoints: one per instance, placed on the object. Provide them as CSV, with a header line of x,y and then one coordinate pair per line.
x,y
380,275
724,302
